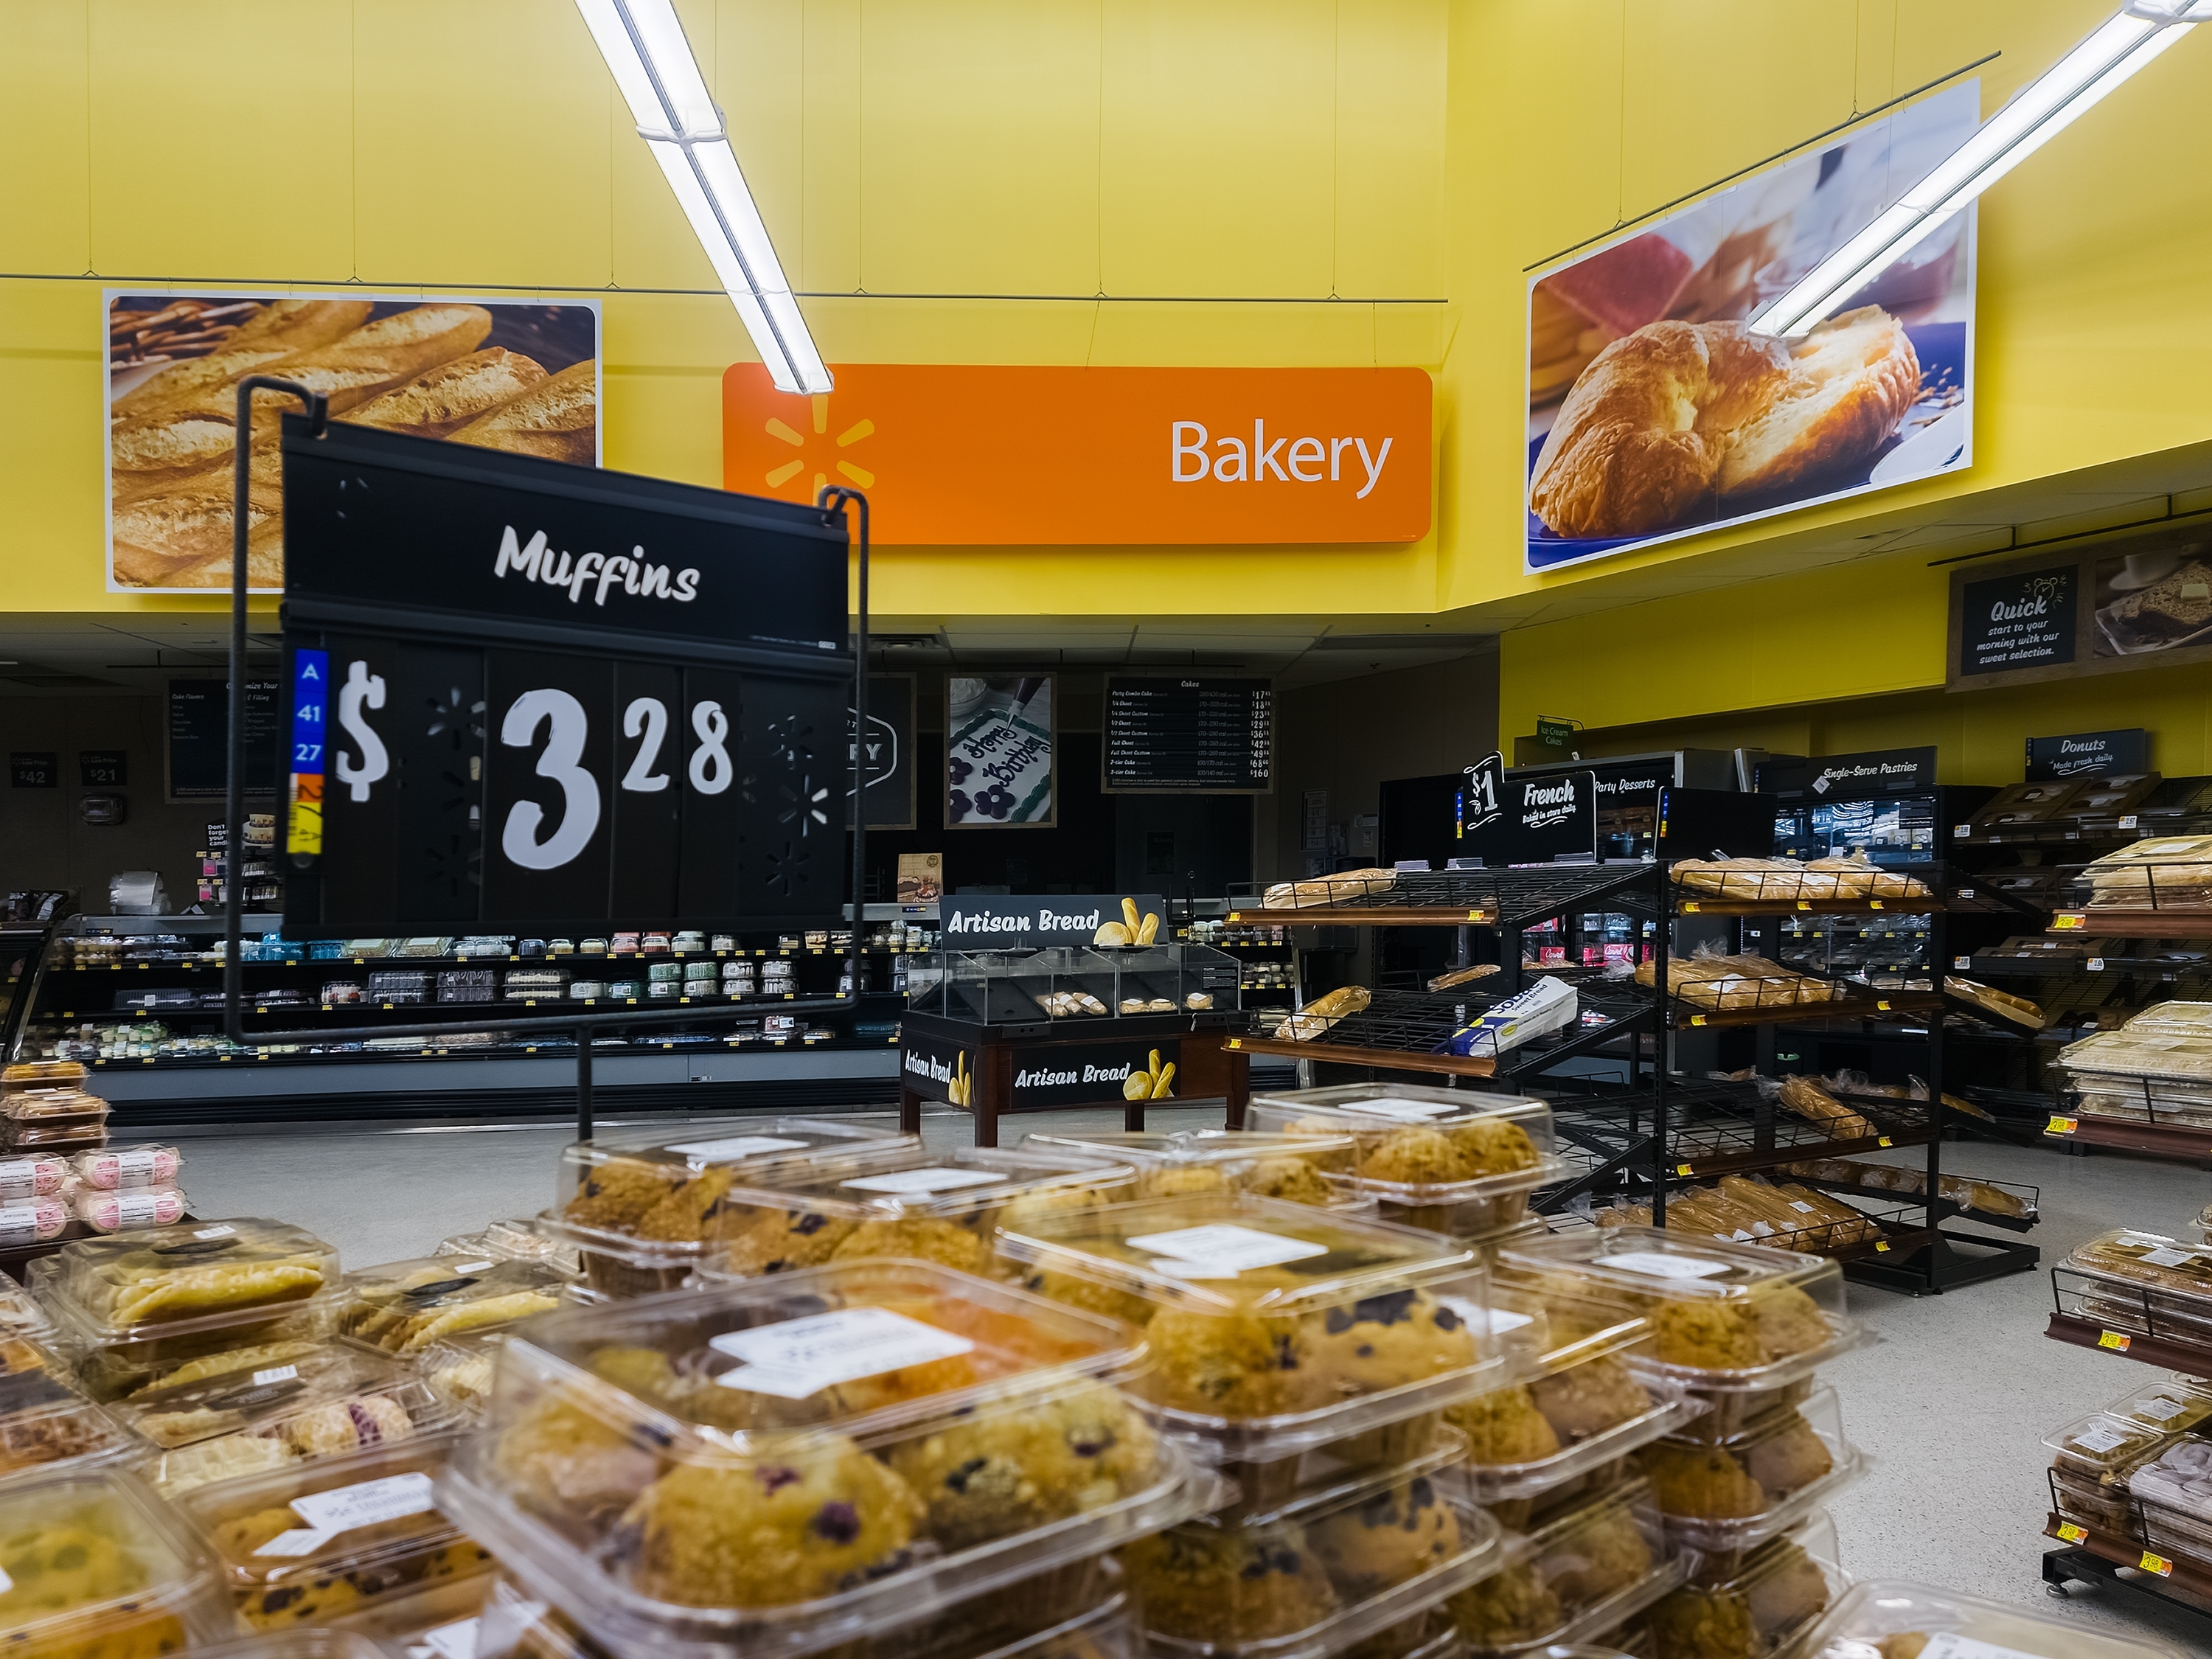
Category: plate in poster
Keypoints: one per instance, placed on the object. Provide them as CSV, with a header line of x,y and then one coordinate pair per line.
x,y
1936,447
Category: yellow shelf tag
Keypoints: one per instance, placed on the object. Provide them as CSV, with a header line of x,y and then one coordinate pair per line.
x,y
2157,1563
2062,1126
1882,1246
1690,906
1804,904
1881,1140
1682,1169
2068,919
2117,1341
1234,1043
1874,904
2070,1534
1696,1019
1236,916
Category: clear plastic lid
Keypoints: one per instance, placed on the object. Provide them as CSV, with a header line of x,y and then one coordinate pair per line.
x,y
438,1620
514,1240
116,1169
329,1404
98,1566
402,1306
459,1370
1574,1406
1338,1563
47,1427
1754,1603
1867,1620
2181,1271
195,1276
1740,1492
53,1106
2104,1447
308,1545
2179,1476
1573,1572
1293,1168
118,1371
905,1202
1724,1317
2171,1405
810,1458
30,1075
654,1190
321,1643
1275,1328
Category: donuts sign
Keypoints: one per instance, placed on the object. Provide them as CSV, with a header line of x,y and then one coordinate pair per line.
x,y
1626,340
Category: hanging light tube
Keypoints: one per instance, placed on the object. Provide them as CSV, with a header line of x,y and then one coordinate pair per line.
x,y
2122,44
644,45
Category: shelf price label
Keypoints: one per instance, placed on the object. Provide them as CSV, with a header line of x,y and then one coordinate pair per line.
x,y
1682,1169
2096,964
2062,1126
1881,1247
2157,1563
2117,1341
2069,920
2070,1534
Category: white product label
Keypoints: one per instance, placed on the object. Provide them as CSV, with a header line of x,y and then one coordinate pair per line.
x,y
1485,1322
1800,1207
1396,1108
473,1267
2159,1407
18,1226
455,1641
2166,1258
1223,1250
300,1541
137,1166
1652,1264
6,1582
1949,1644
802,1357
223,1232
344,1508
924,1180
275,1374
19,1178
136,1209
719,1151
2099,1438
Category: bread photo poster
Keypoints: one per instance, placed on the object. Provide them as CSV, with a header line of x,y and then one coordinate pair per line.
x,y
1626,338
522,378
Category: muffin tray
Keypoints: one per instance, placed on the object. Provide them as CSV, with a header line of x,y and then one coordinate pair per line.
x,y
1577,1571
1738,1493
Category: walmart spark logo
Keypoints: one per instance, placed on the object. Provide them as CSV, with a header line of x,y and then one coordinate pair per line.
x,y
823,458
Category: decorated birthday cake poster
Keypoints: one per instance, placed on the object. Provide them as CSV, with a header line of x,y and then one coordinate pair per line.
x,y
998,751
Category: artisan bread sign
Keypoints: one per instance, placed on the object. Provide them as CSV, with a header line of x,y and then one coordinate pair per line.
x,y
968,455
1075,1074
1005,922
2022,620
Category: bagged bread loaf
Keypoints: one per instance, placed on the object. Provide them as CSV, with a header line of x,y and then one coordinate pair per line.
x,y
2017,1009
1809,1100
2162,872
1323,1012
1329,889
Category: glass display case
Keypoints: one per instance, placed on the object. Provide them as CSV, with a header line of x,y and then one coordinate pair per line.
x,y
1073,985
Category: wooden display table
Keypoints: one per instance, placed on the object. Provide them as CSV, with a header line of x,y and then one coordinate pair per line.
x,y
1051,1065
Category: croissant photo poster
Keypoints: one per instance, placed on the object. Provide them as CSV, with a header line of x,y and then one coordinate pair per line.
x,y
504,374
1653,414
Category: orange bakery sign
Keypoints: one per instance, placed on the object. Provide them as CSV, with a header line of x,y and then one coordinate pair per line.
x,y
982,456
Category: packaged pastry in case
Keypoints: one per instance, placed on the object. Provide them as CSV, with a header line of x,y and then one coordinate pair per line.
x,y
1736,1493
1743,1327
906,1202
32,1177
1275,1328
438,1620
115,1169
99,1568
327,1404
132,1210
1573,1570
643,1211
317,1644
307,1546
1751,1604
2171,1405
1338,1564
514,1241
1891,1619
2131,1281
1573,1407
403,1307
459,1370
797,1461
1294,1168
47,1427
1453,1161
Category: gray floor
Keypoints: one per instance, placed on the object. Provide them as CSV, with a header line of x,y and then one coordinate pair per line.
x,y
1952,1403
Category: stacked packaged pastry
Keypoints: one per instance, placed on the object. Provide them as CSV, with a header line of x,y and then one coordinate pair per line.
x,y
2128,1280
1729,1336
1889,1619
874,1454
2157,1065
45,1108
1312,1356
1296,1168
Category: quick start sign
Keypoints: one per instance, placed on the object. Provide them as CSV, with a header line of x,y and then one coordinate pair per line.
x,y
536,698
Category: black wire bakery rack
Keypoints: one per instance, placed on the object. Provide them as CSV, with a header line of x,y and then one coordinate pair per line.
x,y
1509,899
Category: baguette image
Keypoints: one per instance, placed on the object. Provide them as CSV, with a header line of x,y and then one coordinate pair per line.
x,y
557,419
275,330
188,434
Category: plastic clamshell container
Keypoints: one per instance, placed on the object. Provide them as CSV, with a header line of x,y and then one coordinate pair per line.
x,y
23,1178
1770,1595
309,1545
1292,1168
331,1404
942,1207
141,1583
197,1276
2178,1478
437,1621
1740,1492
633,1452
48,1428
1576,1572
1874,1609
402,1306
2093,1502
2175,1274
2169,1406
1275,1328
1739,1324
1494,1150
1573,1407
513,1240
122,1169
644,1212
1339,1562
21,1315
459,1370
322,1643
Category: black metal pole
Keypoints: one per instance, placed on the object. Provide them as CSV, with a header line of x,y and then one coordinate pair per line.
x,y
1662,906
233,788
1939,963
833,499
583,1083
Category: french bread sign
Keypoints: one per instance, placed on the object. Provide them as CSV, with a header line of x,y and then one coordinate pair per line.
x,y
973,455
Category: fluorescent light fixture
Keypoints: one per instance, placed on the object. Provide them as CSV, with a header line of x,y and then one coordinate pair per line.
x,y
2122,44
643,43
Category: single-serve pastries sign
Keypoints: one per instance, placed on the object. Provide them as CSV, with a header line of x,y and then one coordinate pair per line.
x,y
1131,929
424,372
1678,415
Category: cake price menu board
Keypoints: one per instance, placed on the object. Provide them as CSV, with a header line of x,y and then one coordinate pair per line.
x,y
1184,732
